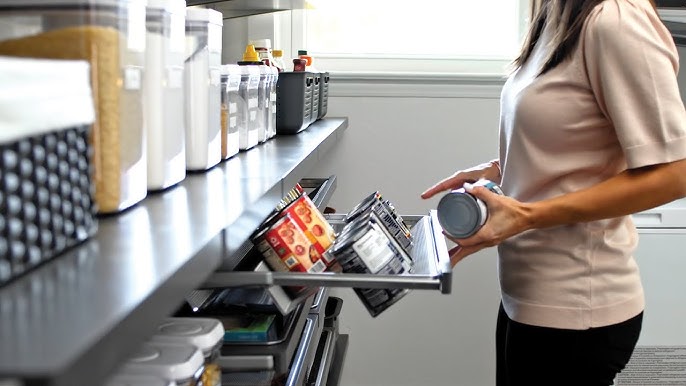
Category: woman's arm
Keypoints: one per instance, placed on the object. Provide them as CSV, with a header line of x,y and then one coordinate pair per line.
x,y
488,170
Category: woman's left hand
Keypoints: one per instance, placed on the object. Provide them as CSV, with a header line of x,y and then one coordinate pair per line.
x,y
506,217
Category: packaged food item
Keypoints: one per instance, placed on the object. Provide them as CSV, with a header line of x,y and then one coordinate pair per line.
x,y
203,88
46,187
180,363
249,328
164,93
462,214
206,334
387,213
110,35
231,112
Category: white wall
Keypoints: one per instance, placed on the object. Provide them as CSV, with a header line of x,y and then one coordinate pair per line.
x,y
400,144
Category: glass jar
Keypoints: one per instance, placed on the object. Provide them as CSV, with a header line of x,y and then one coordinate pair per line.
x,y
110,35
182,364
204,333
231,80
203,88
164,92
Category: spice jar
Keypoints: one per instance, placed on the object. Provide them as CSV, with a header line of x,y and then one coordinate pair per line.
x,y
110,35
231,113
204,333
164,92
179,363
203,88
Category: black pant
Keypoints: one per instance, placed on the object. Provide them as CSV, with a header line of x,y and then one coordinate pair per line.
x,y
532,356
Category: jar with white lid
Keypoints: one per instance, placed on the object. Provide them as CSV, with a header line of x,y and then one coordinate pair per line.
x,y
138,380
164,92
182,364
248,92
231,80
203,88
110,35
204,333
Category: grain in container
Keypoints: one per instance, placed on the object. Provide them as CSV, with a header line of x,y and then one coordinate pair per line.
x,y
204,333
110,35
203,88
181,363
164,92
46,190
231,113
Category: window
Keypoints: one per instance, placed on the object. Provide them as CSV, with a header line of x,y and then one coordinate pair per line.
x,y
413,36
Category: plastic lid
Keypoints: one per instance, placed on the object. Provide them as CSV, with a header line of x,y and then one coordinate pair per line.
x,y
277,53
172,6
178,362
230,69
204,14
302,52
42,95
262,43
250,55
138,380
459,214
203,333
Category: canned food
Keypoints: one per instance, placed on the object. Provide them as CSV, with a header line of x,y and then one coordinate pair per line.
x,y
386,212
462,214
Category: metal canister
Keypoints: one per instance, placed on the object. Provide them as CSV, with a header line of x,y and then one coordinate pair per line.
x,y
461,214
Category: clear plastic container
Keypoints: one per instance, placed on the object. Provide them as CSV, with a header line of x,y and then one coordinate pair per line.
x,y
231,113
203,88
248,93
204,333
263,103
182,364
271,125
110,35
164,92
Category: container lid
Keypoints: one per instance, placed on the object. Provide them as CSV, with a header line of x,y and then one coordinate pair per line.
x,y
204,14
262,43
277,53
459,214
230,69
177,7
41,95
138,380
203,333
34,3
250,55
177,362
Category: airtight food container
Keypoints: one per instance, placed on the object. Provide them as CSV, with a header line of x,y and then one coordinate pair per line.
x,y
231,109
182,364
248,90
46,190
164,92
204,333
138,380
203,88
110,35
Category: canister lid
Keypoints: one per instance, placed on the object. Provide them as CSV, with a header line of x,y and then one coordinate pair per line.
x,y
459,214
203,333
230,69
204,14
262,43
172,6
138,380
174,361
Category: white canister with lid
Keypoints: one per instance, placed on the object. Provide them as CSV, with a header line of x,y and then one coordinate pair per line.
x,y
138,380
203,88
204,333
231,114
248,92
164,92
180,363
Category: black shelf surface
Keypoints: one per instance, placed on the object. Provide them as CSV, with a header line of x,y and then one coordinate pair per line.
x,y
73,320
239,8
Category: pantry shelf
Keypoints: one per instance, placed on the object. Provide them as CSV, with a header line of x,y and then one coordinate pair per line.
x,y
239,8
73,320
432,268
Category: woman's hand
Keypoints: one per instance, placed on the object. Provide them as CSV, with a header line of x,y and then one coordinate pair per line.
x,y
506,217
488,170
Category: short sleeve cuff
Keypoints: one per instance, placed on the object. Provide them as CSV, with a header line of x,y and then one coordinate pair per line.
x,y
656,153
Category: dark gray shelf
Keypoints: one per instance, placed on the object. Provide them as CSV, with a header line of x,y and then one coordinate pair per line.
x,y
73,320
239,8
678,31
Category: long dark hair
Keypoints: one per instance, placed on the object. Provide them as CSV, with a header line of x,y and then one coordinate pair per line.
x,y
568,16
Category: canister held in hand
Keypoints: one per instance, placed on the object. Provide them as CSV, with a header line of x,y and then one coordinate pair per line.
x,y
461,214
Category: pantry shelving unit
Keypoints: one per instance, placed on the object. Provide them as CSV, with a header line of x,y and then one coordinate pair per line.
x,y
73,320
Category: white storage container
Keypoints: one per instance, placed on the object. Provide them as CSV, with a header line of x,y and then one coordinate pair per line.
x,y
231,114
164,92
263,101
180,363
204,333
138,380
248,93
203,88
271,124
110,35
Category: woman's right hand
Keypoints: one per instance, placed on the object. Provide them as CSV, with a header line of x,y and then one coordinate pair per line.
x,y
486,170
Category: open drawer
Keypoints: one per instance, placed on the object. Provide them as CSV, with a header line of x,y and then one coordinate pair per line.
x,y
432,269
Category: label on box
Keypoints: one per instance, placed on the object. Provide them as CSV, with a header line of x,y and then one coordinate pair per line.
x,y
373,249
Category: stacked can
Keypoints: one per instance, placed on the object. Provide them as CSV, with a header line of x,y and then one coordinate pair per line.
x,y
386,212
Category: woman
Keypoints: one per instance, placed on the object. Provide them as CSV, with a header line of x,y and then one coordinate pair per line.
x,y
592,129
